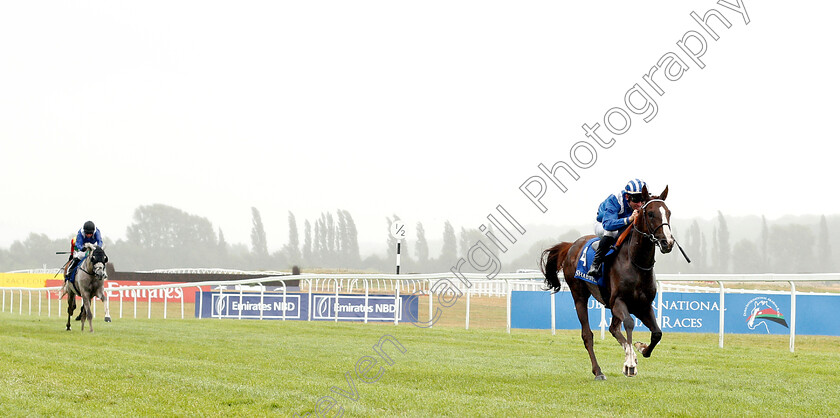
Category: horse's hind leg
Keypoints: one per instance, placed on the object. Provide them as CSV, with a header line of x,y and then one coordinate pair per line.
x,y
649,319
71,306
586,335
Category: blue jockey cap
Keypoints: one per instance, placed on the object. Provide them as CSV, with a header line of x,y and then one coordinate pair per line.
x,y
634,186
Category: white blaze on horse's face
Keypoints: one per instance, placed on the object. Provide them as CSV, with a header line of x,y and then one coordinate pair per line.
x,y
99,271
666,229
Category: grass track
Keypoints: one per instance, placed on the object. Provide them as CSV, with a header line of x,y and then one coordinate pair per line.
x,y
236,368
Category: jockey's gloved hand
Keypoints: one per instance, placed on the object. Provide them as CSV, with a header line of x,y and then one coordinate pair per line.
x,y
90,246
78,255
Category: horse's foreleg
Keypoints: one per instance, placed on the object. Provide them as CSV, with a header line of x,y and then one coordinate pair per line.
x,y
649,319
622,316
586,335
87,313
104,298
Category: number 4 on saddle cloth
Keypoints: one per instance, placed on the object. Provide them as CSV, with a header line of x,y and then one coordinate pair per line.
x,y
585,262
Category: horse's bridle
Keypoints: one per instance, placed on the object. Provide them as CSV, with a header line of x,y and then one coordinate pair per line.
x,y
91,274
652,235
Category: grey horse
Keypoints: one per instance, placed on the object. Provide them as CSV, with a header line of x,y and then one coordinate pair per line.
x,y
89,283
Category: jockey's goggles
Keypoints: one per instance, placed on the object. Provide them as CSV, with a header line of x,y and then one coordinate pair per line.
x,y
635,197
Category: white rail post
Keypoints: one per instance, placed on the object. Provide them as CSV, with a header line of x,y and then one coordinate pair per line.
x,y
367,299
200,303
335,305
603,323
431,306
659,296
720,338
262,296
239,315
286,302
553,314
309,311
792,315
396,298
469,291
507,286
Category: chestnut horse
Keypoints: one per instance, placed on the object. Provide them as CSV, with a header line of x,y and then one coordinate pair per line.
x,y
630,286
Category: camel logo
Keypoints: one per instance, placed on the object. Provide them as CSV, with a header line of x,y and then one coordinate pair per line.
x,y
221,304
760,310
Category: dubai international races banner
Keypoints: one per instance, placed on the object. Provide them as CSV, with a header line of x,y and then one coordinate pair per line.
x,y
744,313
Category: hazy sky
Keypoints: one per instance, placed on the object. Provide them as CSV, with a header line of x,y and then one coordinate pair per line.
x,y
432,110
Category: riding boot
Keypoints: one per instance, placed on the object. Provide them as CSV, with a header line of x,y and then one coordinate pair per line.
x,y
598,261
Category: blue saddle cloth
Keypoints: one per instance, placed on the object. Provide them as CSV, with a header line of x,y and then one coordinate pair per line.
x,y
72,276
585,262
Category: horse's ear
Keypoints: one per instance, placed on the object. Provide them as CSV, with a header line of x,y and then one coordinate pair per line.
x,y
645,194
664,193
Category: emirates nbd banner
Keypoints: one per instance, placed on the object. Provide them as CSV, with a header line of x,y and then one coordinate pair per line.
x,y
744,313
325,307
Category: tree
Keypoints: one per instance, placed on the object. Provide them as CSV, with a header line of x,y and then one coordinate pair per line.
x,y
695,246
342,246
824,261
170,237
748,258
259,245
765,236
222,244
793,248
449,251
307,242
722,245
292,248
352,241
421,249
330,235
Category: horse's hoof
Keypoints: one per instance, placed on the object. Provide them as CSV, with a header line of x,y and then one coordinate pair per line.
x,y
600,377
68,329
640,347
629,371
107,319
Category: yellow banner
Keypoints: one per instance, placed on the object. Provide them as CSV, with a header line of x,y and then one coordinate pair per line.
x,y
24,279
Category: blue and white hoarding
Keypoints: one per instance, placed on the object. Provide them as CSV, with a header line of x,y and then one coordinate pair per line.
x,y
295,306
744,313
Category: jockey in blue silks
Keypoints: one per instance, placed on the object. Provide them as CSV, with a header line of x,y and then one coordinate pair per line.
x,y
614,214
88,237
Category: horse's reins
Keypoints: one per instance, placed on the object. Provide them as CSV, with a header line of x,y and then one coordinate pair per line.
x,y
652,237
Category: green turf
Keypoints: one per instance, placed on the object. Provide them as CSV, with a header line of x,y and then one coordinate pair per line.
x,y
238,368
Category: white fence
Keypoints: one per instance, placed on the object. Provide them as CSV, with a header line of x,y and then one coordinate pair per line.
x,y
500,285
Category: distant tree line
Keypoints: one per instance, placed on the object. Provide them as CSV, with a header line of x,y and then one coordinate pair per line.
x,y
162,237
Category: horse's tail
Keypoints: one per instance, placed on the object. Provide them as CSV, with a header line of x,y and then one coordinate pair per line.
x,y
550,263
